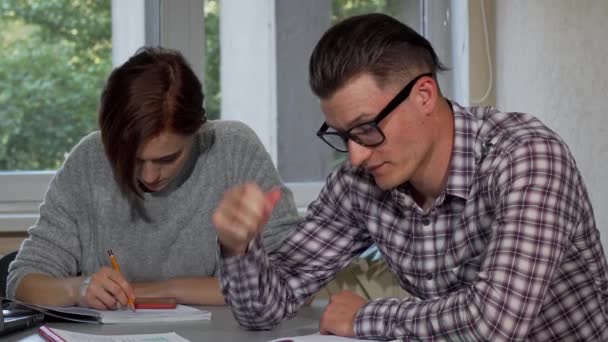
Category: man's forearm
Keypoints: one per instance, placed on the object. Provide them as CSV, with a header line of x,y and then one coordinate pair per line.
x,y
258,296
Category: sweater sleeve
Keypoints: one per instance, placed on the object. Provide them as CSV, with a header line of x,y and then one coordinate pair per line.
x,y
53,247
250,162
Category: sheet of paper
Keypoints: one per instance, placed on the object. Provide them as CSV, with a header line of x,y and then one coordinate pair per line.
x,y
70,336
319,338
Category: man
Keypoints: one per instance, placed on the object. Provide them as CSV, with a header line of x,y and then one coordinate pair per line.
x,y
481,215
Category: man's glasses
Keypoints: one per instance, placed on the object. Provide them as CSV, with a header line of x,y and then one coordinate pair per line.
x,y
367,133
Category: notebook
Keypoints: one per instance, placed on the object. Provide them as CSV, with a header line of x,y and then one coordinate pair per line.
x,y
180,313
88,315
15,320
57,335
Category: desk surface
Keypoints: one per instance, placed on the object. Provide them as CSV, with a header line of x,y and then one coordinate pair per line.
x,y
221,327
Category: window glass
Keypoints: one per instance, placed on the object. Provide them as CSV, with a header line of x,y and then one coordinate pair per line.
x,y
342,9
212,59
54,58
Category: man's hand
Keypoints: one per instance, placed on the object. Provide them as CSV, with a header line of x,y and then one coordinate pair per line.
x,y
339,315
241,215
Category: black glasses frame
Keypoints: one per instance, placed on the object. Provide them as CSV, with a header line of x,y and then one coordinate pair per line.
x,y
347,135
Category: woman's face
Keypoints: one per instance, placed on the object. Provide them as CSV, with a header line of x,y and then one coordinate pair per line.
x,y
161,158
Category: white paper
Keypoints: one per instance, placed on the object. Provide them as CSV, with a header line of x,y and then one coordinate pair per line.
x,y
319,338
70,336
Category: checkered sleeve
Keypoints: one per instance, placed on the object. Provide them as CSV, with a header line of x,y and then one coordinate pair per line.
x,y
533,189
264,289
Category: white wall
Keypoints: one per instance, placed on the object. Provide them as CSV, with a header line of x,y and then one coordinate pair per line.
x,y
482,88
551,61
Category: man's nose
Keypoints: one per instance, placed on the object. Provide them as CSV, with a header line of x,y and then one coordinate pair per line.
x,y
358,153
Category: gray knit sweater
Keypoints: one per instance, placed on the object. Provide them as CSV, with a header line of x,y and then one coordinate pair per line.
x,y
84,212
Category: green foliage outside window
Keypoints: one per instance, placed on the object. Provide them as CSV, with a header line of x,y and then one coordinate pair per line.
x,y
347,8
212,59
54,58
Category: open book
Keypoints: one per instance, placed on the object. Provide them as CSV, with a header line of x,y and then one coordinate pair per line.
x,y
87,315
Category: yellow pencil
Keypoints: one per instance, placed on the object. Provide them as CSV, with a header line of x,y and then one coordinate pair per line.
x,y
117,268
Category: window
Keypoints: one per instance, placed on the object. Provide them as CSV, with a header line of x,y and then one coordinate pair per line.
x,y
56,55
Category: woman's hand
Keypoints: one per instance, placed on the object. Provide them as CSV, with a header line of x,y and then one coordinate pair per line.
x,y
106,289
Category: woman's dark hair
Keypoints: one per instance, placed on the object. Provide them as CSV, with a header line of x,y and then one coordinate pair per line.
x,y
374,43
155,91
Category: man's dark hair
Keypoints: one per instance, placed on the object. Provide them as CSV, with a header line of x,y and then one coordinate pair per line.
x,y
155,91
372,43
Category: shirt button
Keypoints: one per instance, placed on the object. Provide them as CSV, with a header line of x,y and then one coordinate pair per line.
x,y
429,276
426,221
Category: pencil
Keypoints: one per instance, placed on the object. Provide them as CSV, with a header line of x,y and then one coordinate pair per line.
x,y
117,269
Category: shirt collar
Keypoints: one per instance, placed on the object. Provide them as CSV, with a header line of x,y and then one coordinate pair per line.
x,y
463,159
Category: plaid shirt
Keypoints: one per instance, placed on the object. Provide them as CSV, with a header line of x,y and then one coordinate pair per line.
x,y
509,251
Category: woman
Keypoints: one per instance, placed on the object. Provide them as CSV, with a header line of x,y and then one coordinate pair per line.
x,y
145,187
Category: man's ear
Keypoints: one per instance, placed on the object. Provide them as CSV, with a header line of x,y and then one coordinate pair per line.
x,y
427,93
